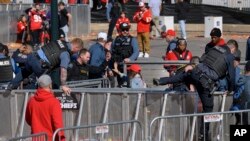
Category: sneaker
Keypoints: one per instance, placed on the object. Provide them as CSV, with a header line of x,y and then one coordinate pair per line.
x,y
140,55
146,55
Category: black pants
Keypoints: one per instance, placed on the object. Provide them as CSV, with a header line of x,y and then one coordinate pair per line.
x,y
35,36
207,100
111,27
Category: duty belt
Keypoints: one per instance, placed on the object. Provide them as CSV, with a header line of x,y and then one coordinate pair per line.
x,y
206,81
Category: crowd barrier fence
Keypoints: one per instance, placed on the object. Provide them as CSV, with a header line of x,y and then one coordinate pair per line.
x,y
105,105
188,124
104,131
32,137
9,14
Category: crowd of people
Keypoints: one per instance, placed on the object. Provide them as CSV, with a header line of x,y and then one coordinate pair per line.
x,y
46,65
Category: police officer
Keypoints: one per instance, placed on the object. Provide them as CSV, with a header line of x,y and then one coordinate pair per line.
x,y
205,76
124,49
79,69
7,65
53,55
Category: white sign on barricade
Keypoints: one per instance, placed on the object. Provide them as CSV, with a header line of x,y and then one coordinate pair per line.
x,y
212,118
101,129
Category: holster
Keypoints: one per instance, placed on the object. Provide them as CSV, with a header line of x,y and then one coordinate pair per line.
x,y
207,82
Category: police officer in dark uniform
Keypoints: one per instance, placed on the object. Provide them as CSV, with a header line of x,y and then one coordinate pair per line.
x,y
124,49
215,64
7,66
79,69
50,56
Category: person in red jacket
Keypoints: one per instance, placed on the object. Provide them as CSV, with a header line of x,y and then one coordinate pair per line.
x,y
21,28
179,53
36,16
44,113
216,39
122,19
143,18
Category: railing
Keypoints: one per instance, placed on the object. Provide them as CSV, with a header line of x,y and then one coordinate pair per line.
x,y
33,137
219,127
103,131
90,83
118,104
238,4
9,14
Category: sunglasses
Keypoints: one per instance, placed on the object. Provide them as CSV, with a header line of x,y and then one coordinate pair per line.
x,y
125,30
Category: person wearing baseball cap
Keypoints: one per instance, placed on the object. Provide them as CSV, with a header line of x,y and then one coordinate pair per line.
x,y
216,39
143,19
97,53
170,38
135,76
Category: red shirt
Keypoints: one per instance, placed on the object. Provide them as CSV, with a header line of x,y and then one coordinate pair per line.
x,y
44,114
143,24
121,20
174,55
36,20
20,26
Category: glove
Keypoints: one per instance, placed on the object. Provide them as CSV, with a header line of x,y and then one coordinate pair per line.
x,y
156,82
122,75
8,90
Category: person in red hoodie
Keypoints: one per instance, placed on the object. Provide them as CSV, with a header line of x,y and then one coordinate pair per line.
x,y
216,39
44,113
143,18
122,19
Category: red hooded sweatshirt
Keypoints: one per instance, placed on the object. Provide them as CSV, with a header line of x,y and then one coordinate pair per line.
x,y
44,114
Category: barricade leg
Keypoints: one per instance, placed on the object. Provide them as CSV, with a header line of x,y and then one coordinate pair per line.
x,y
136,116
23,113
106,111
220,133
162,114
79,116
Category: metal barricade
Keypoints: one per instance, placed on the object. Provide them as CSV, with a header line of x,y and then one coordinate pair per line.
x,y
104,105
102,131
32,137
90,83
186,128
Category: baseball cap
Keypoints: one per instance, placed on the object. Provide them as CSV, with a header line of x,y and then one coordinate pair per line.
x,y
215,32
141,4
170,32
102,35
247,67
44,81
135,67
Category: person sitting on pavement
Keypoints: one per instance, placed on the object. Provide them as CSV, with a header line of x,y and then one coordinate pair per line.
x,y
179,53
79,69
171,39
216,39
44,112
97,54
124,50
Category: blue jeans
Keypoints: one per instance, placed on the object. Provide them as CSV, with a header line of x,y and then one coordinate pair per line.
x,y
182,24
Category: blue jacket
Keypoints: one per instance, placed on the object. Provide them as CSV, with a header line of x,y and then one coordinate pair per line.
x,y
97,53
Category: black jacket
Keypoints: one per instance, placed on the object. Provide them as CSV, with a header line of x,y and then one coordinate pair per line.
x,y
77,71
182,8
